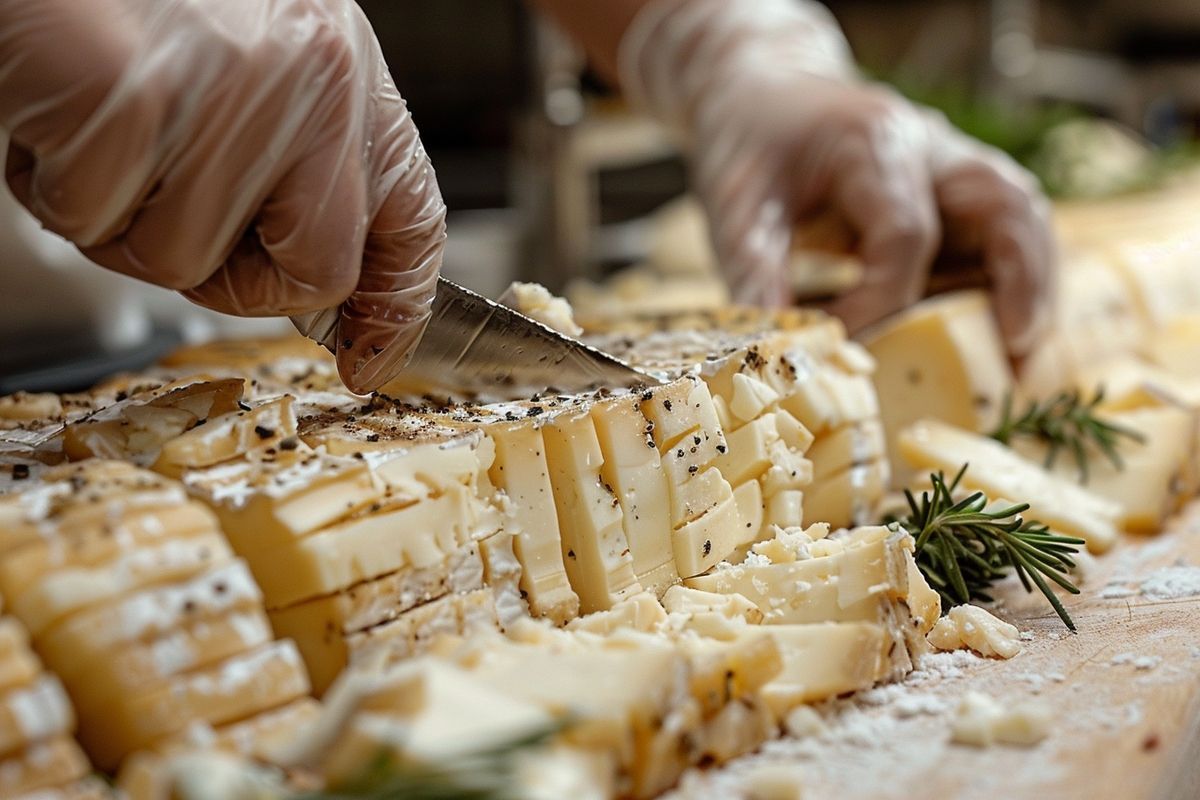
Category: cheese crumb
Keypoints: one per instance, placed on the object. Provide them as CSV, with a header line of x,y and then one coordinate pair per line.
x,y
535,301
803,721
980,721
775,782
976,628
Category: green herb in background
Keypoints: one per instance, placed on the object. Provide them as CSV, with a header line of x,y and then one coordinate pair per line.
x,y
963,549
1066,422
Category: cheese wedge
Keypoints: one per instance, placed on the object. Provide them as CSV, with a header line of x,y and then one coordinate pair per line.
x,y
596,554
237,433
633,469
135,429
233,689
270,502
44,765
941,359
1000,472
365,547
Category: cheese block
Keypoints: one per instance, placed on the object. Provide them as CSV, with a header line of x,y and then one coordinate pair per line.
x,y
832,399
141,667
1162,274
751,511
365,547
134,429
147,615
999,472
521,473
502,574
320,626
595,552
234,689
1176,348
704,542
849,497
687,600
681,408
941,359
846,447
270,502
55,762
1155,477
784,509
35,712
632,468
72,589
237,433
824,660
749,450
703,492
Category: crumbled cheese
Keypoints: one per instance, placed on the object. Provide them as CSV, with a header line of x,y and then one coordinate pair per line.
x,y
535,301
1137,662
803,721
976,628
1171,583
775,782
981,721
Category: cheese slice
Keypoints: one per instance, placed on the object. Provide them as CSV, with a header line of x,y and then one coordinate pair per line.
x,y
84,545
1000,472
1176,348
319,626
142,667
784,509
824,660
261,737
751,511
471,613
704,542
96,631
1156,476
365,547
941,359
847,498
237,433
135,429
44,765
595,551
521,473
832,399
69,590
749,450
271,502
846,447
632,468
641,612
234,689
681,408
33,713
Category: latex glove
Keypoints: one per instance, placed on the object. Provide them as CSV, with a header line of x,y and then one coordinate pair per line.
x,y
781,129
252,154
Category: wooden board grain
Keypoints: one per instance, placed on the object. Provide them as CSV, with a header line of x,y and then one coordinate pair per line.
x,y
1124,692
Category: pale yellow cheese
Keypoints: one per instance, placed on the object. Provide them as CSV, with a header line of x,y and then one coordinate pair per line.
x,y
824,660
228,436
262,737
849,497
784,509
640,612
681,408
467,614
595,552
519,470
1001,473
141,667
95,631
750,397
18,665
33,713
848,446
941,359
831,399
686,600
420,535
749,453
976,628
233,689
73,589
1176,348
43,765
704,542
632,468
697,496
271,502
751,511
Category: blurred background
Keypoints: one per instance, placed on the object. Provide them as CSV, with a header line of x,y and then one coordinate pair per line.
x,y
549,177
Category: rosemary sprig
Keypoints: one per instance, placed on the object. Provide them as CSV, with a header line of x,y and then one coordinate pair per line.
x,y
1066,422
962,549
484,775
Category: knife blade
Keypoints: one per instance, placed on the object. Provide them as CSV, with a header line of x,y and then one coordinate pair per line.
x,y
475,346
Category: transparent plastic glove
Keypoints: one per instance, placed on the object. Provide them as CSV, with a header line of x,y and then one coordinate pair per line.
x,y
781,130
252,154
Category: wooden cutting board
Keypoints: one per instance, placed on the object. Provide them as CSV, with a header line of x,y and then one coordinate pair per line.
x,y
1124,693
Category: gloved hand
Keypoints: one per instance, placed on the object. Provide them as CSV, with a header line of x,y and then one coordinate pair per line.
x,y
252,154
780,129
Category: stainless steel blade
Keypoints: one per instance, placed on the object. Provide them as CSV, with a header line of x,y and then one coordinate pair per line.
x,y
475,346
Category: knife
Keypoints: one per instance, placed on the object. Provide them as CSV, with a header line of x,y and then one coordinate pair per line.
x,y
476,347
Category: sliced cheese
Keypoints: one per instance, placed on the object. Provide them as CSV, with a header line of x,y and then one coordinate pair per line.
x,y
751,511
32,713
1001,473
237,433
704,542
849,497
595,551
824,660
44,765
846,447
